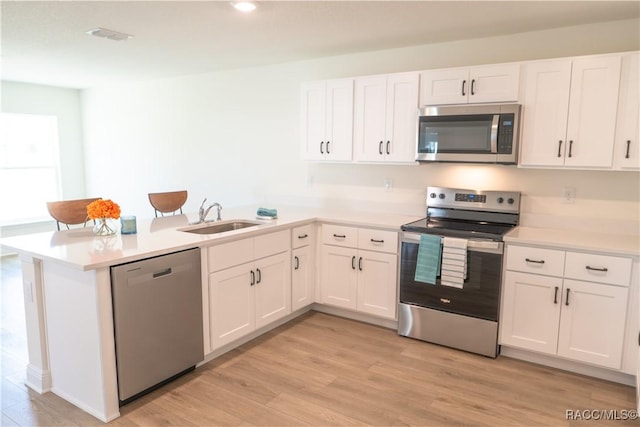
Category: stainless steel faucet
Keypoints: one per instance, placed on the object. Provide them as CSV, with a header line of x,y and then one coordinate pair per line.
x,y
203,212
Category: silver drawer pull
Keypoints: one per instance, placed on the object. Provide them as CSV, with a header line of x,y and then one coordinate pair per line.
x,y
445,301
535,261
603,269
304,236
377,241
340,236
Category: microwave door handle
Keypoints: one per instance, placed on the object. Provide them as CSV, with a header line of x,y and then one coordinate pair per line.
x,y
494,133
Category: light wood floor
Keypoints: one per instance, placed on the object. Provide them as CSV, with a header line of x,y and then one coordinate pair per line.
x,y
326,371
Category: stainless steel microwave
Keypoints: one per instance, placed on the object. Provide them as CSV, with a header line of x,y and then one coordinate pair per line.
x,y
486,133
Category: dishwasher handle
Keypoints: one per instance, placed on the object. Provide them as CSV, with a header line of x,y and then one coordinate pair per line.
x,y
162,273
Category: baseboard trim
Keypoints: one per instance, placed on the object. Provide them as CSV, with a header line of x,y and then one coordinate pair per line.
x,y
353,315
38,380
568,365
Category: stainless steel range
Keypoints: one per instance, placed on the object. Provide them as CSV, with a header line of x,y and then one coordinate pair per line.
x,y
451,268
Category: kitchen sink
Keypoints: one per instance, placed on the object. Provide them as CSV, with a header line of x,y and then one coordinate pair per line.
x,y
220,227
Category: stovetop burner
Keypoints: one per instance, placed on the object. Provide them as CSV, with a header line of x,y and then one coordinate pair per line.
x,y
468,213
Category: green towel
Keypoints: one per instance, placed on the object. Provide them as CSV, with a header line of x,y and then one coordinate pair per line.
x,y
267,212
429,256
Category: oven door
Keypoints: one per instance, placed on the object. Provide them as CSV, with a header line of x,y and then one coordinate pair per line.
x,y
480,294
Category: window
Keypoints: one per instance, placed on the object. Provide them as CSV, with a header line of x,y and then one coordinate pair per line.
x,y
29,167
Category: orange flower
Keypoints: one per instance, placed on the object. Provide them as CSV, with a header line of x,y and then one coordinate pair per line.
x,y
103,209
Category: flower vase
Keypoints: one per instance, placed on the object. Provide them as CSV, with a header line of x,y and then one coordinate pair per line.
x,y
105,226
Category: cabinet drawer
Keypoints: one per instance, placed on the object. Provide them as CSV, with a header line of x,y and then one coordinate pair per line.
x,y
272,243
339,235
230,254
302,236
612,270
378,240
535,260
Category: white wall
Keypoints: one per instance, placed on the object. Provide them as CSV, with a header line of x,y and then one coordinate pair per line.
x,y
233,137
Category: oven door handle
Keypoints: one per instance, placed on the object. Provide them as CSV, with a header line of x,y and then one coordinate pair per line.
x,y
472,245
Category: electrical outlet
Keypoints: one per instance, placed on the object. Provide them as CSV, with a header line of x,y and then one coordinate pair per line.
x,y
568,194
388,184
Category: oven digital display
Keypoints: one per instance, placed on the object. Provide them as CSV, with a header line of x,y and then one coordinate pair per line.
x,y
473,198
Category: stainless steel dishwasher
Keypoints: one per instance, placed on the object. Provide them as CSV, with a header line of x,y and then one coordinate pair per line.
x,y
157,312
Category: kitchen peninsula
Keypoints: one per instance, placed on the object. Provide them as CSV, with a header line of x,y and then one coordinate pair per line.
x,y
68,301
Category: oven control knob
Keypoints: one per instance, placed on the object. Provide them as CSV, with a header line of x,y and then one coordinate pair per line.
x,y
441,195
432,195
510,200
500,200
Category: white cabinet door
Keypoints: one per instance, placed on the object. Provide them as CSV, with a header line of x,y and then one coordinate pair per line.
x,y
377,277
339,134
627,145
402,118
490,83
327,120
592,111
494,83
339,276
592,323
272,288
302,278
370,118
231,304
447,86
313,107
530,311
386,118
545,112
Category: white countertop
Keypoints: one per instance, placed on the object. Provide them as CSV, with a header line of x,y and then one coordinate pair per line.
x,y
79,248
575,240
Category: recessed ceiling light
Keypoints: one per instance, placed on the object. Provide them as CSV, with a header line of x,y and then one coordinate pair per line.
x,y
109,34
244,6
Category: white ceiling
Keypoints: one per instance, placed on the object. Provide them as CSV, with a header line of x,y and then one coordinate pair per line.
x,y
45,42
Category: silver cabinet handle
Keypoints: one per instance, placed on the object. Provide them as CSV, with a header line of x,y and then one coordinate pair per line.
x,y
603,269
253,278
626,156
297,260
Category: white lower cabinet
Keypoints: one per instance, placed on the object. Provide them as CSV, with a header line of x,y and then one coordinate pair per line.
x,y
359,270
530,316
245,296
558,315
303,267
592,323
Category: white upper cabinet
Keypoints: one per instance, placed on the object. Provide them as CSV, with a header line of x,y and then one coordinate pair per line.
x,y
626,155
327,120
386,118
489,83
569,112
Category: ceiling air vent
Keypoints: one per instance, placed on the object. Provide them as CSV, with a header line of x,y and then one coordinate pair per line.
x,y
109,34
